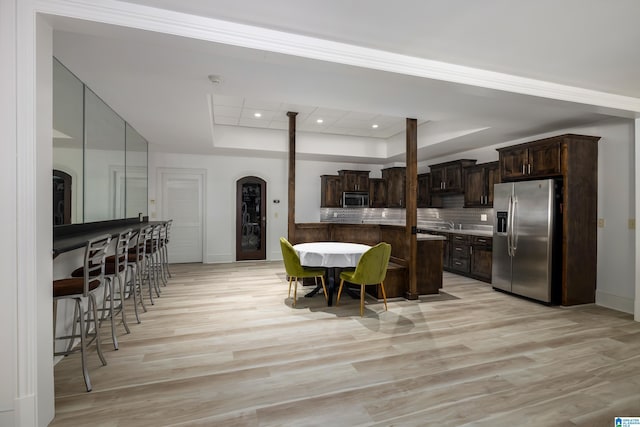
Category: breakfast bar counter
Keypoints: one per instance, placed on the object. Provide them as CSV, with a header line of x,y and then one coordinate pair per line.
x,y
74,236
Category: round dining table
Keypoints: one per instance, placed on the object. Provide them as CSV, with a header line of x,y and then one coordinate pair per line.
x,y
329,255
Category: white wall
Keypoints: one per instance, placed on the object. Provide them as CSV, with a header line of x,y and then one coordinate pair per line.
x,y
8,188
224,170
42,218
276,141
616,205
222,173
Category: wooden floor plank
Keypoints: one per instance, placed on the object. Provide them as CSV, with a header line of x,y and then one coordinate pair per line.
x,y
224,346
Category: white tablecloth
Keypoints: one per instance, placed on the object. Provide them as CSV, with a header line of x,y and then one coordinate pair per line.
x,y
330,254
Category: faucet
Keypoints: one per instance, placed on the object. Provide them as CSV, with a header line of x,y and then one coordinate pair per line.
x,y
451,224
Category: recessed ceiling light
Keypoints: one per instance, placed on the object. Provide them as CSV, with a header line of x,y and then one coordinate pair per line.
x,y
374,126
257,115
319,121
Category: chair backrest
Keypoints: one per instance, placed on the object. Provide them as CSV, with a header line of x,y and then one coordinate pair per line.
x,y
95,255
162,234
167,229
122,250
291,259
144,235
372,266
153,242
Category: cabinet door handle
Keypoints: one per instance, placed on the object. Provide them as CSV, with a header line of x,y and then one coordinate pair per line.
x,y
523,169
470,250
529,168
482,241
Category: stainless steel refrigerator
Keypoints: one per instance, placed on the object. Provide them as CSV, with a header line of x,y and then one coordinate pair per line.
x,y
527,239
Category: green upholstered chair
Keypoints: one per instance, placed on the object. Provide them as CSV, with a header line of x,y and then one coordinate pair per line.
x,y
296,271
371,270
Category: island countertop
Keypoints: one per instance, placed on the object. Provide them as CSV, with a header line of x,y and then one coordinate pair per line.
x,y
430,237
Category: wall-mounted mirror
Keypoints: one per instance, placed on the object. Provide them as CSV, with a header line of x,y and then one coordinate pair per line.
x,y
67,146
136,173
99,160
104,154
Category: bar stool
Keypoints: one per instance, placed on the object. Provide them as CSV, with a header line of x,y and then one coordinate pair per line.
x,y
164,243
135,267
115,268
77,289
152,263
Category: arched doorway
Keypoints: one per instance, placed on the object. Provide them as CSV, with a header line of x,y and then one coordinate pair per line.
x,y
61,197
251,218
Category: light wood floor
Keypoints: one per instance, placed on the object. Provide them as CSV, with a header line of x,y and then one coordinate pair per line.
x,y
224,347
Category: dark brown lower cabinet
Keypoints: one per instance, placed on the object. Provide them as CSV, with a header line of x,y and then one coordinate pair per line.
x,y
481,258
467,255
460,253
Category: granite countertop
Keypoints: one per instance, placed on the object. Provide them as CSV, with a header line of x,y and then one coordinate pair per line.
x,y
430,237
467,231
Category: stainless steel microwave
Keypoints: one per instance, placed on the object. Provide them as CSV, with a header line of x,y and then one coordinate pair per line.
x,y
355,199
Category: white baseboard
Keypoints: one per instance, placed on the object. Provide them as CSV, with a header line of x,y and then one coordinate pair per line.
x,y
25,414
615,302
219,258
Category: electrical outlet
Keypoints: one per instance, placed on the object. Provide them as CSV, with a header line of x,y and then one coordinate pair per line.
x,y
483,217
632,223
600,222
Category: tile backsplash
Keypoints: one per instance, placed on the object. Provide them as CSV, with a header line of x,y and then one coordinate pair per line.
x,y
452,211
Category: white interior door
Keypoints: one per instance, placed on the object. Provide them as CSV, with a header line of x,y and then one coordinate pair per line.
x,y
182,201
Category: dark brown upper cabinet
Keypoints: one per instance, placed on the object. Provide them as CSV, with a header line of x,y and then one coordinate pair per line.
x,y
377,193
330,191
448,177
425,198
532,160
395,179
478,184
354,180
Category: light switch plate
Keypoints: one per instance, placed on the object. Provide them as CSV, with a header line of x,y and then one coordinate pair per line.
x,y
483,217
600,222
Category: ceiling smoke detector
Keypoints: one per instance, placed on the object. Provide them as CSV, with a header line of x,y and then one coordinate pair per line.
x,y
215,79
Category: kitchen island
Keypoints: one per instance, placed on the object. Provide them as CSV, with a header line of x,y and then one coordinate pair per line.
x,y
429,260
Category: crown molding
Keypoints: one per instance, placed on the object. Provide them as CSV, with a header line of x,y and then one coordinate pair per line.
x,y
202,28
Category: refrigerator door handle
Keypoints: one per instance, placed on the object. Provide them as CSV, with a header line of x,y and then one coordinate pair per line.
x,y
514,226
509,218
